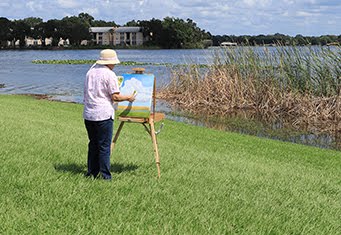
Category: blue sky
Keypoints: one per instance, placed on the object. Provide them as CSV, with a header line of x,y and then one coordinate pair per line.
x,y
252,17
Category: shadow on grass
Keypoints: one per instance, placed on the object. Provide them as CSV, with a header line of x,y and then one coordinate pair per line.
x,y
81,169
119,168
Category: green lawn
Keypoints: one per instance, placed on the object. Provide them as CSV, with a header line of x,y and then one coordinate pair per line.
x,y
212,182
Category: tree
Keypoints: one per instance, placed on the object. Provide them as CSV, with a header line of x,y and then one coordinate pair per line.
x,y
21,30
75,30
39,32
281,39
326,39
173,33
169,36
132,23
36,26
86,18
32,21
153,30
5,31
177,33
53,28
300,40
102,23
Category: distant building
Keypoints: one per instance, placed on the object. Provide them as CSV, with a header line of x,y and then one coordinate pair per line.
x,y
63,42
333,44
101,35
84,42
123,36
228,44
48,41
29,41
32,42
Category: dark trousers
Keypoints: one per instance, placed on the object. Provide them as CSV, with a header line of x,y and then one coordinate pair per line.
x,y
100,136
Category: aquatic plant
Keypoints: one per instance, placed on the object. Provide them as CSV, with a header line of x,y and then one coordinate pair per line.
x,y
298,85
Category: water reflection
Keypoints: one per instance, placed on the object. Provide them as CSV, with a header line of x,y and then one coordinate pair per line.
x,y
254,126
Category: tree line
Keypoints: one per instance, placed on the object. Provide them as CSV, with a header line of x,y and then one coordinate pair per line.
x,y
167,33
172,33
278,39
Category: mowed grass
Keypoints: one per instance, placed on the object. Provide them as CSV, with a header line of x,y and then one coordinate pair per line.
x,y
212,182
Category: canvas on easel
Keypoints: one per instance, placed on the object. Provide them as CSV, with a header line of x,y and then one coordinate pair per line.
x,y
142,86
142,110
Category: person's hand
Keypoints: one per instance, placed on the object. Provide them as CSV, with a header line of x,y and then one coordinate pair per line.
x,y
131,98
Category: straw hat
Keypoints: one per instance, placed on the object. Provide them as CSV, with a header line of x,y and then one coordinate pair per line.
x,y
108,56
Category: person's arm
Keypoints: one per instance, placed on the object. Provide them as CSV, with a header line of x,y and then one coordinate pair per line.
x,y
117,97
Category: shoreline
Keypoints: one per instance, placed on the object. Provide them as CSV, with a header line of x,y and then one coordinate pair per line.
x,y
48,48
233,124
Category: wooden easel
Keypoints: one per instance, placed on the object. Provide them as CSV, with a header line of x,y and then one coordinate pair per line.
x,y
148,124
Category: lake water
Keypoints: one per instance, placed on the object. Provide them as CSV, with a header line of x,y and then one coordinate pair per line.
x,y
65,82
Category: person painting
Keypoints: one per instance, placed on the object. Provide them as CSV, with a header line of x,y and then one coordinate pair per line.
x,y
100,91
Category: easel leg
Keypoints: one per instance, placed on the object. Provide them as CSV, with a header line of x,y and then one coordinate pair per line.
x,y
116,136
156,151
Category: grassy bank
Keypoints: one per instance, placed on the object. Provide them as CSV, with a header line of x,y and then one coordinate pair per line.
x,y
212,182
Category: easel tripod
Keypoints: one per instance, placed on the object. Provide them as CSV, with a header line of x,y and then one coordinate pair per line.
x,y
148,124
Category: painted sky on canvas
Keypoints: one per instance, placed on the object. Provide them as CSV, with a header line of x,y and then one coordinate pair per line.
x,y
251,17
143,84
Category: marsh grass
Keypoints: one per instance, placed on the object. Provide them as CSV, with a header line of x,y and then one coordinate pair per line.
x,y
212,182
300,86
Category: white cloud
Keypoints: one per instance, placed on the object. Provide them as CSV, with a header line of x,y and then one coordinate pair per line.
x,y
4,4
141,2
252,3
285,14
249,3
144,94
30,5
91,11
304,13
289,2
332,22
68,3
35,6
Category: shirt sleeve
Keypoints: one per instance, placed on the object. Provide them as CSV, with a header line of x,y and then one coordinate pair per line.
x,y
113,84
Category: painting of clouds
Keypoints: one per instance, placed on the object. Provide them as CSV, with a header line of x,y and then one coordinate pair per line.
x,y
142,85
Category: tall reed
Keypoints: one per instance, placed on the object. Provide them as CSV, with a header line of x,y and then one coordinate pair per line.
x,y
299,85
